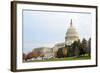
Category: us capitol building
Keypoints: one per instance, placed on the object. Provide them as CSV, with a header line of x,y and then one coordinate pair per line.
x,y
70,36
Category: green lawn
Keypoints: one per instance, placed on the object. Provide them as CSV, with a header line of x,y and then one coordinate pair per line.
x,y
63,59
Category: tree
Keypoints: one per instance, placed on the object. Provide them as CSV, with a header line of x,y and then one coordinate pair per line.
x,y
59,53
62,52
83,47
33,54
29,55
76,48
89,46
69,51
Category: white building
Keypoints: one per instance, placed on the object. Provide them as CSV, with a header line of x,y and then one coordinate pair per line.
x,y
71,35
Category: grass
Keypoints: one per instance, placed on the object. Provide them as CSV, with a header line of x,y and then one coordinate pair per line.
x,y
63,59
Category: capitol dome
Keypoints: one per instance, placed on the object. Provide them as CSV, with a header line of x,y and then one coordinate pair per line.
x,y
71,35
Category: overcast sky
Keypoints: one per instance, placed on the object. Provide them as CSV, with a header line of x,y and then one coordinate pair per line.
x,y
45,29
